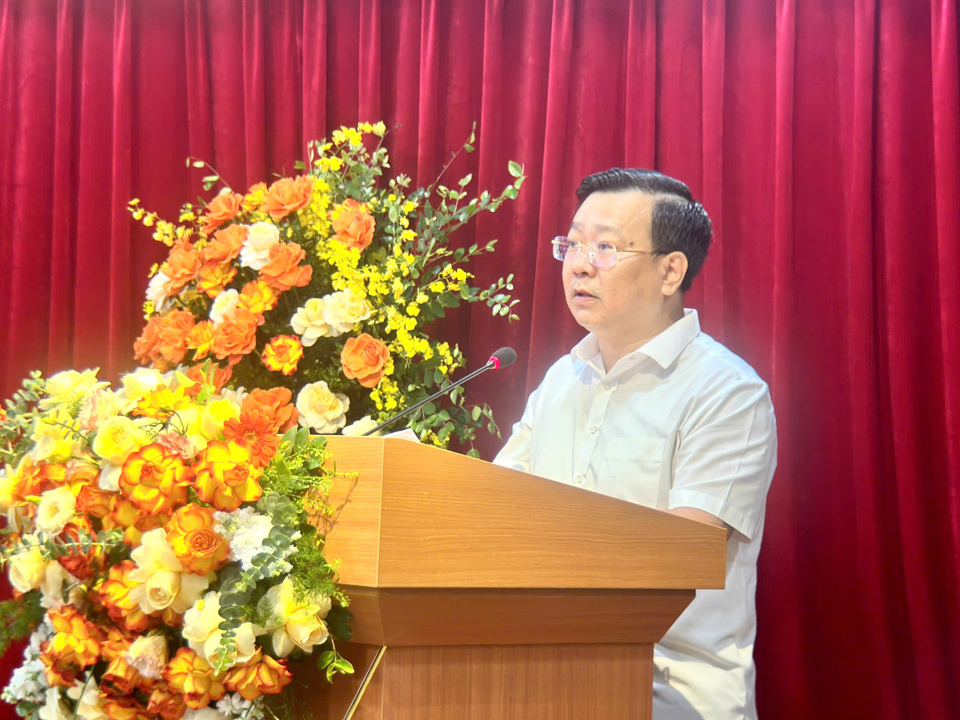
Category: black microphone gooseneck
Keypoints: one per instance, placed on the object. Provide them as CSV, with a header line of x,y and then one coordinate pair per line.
x,y
504,357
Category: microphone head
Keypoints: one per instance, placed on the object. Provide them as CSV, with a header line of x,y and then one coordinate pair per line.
x,y
504,357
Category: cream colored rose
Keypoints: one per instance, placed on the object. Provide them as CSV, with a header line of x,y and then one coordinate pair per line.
x,y
148,655
161,582
55,708
223,306
255,252
361,426
69,386
308,322
25,570
51,585
138,383
321,409
296,623
157,291
342,310
86,693
201,630
117,438
56,509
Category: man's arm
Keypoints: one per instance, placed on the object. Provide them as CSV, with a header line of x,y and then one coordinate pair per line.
x,y
701,516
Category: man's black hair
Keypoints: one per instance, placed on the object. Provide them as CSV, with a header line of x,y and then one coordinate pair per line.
x,y
679,222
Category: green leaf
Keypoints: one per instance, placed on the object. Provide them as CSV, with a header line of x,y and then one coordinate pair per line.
x,y
516,170
465,180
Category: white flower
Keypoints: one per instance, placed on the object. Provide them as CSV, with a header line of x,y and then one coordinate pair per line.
x,y
201,630
148,655
224,306
296,623
28,682
138,383
26,569
321,409
204,713
55,708
156,291
56,509
308,322
245,529
358,428
236,706
69,387
161,582
255,251
87,695
51,585
342,310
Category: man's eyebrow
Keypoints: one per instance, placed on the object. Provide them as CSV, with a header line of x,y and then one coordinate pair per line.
x,y
598,228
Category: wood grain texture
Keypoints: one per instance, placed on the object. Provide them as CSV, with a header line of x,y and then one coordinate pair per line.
x,y
512,617
417,516
529,682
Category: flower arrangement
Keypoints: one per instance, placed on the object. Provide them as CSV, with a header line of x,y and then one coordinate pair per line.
x,y
325,284
159,547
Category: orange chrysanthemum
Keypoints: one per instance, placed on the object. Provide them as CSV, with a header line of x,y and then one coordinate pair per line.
x,y
200,338
282,354
226,476
287,195
221,210
261,675
283,269
193,678
353,225
163,342
256,430
275,404
258,297
155,480
196,544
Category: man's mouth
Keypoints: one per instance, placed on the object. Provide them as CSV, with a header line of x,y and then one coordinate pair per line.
x,y
581,294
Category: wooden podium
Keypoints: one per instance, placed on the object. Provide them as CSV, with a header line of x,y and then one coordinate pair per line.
x,y
500,595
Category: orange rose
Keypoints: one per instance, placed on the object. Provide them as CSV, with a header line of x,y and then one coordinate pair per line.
x,y
163,342
114,595
287,195
166,704
225,245
155,480
237,336
191,534
122,707
226,476
80,564
282,354
260,675
274,404
75,645
258,297
124,678
93,501
353,225
363,359
182,265
214,277
117,643
192,677
222,209
199,339
283,270
256,430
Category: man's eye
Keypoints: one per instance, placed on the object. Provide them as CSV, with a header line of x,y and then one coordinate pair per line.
x,y
606,247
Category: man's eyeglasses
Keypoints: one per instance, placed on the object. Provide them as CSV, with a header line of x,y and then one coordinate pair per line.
x,y
602,255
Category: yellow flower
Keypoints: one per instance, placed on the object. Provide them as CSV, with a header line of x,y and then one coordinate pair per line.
x,y
159,577
193,678
261,675
226,476
117,438
296,623
155,480
26,569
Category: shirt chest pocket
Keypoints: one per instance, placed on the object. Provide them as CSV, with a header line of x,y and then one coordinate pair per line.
x,y
631,469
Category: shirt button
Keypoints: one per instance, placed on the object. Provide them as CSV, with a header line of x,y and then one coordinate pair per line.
x,y
594,430
580,479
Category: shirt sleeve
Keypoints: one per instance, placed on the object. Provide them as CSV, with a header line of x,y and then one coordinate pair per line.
x,y
726,455
516,453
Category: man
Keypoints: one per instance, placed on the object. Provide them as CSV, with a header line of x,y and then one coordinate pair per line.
x,y
649,409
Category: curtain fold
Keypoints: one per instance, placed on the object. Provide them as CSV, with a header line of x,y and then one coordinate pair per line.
x,y
823,137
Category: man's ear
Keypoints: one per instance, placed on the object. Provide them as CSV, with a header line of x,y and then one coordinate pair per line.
x,y
673,268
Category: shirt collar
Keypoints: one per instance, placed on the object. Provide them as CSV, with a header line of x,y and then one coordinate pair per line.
x,y
664,349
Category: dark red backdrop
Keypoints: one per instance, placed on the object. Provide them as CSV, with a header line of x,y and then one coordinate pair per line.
x,y
822,136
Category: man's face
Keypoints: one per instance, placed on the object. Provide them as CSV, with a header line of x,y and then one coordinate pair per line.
x,y
620,304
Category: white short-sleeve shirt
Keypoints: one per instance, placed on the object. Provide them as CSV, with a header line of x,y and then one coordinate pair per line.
x,y
680,422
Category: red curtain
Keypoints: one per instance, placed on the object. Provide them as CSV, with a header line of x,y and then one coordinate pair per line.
x,y
822,136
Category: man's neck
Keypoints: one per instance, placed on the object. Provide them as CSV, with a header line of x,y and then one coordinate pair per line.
x,y
612,349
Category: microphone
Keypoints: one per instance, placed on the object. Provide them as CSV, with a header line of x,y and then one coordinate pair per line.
x,y
502,358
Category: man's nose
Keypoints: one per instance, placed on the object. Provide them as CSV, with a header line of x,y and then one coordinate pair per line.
x,y
580,263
